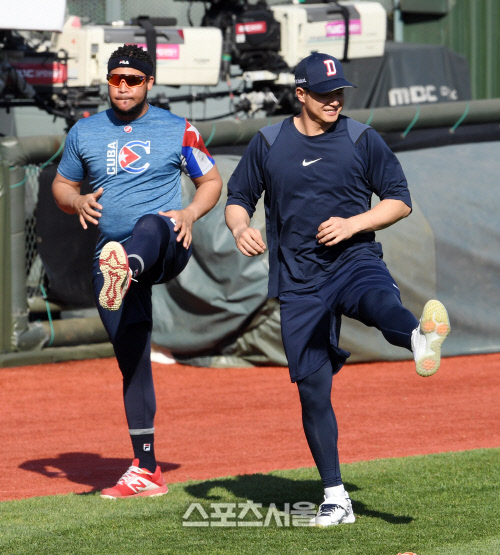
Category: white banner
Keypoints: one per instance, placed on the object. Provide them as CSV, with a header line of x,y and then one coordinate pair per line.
x,y
33,15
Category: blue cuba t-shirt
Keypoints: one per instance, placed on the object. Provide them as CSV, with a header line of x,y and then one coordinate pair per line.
x,y
306,181
137,163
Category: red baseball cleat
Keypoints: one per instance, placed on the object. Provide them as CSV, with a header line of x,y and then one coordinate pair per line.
x,y
113,263
137,482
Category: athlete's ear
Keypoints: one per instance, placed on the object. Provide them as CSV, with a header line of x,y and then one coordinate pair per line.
x,y
300,93
150,82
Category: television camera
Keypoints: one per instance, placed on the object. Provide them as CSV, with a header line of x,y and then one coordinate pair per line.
x,y
256,43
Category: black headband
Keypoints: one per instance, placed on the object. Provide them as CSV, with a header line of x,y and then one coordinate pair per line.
x,y
128,62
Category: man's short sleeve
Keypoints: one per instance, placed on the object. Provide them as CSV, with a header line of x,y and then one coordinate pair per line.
x,y
71,165
385,173
195,159
246,184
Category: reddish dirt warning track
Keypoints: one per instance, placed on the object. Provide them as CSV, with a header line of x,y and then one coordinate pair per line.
x,y
63,427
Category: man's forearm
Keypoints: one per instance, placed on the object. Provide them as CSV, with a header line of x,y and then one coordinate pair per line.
x,y
205,198
248,240
65,196
384,214
237,218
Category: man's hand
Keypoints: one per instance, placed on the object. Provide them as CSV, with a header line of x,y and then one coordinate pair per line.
x,y
67,196
335,230
183,225
249,241
86,206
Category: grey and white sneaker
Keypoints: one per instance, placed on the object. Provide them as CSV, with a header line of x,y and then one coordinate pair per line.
x,y
333,511
427,338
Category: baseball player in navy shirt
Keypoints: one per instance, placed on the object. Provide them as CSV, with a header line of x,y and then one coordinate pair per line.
x,y
134,154
318,171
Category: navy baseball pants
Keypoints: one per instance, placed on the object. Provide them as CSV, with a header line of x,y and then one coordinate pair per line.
x,y
154,257
362,289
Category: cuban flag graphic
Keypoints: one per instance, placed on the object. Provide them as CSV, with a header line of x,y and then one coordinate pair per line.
x,y
195,158
129,156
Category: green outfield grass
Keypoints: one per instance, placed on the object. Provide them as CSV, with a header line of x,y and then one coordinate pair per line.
x,y
438,504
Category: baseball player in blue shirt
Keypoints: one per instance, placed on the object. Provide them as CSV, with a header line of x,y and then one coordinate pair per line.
x,y
318,171
134,154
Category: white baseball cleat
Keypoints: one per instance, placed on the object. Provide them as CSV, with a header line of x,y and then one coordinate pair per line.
x,y
427,338
334,511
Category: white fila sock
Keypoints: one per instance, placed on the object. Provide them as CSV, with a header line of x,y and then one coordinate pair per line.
x,y
335,491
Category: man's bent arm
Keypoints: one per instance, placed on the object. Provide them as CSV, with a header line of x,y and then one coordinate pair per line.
x,y
248,239
67,196
386,213
65,193
237,219
208,189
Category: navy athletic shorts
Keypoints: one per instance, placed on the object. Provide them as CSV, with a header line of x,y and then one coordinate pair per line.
x,y
311,317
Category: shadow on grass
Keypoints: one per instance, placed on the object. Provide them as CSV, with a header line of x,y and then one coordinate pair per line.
x,y
88,469
267,489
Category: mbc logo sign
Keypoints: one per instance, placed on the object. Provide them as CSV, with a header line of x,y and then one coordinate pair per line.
x,y
419,94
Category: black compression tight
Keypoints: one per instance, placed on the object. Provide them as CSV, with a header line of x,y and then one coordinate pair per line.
x,y
133,352
320,424
383,309
380,308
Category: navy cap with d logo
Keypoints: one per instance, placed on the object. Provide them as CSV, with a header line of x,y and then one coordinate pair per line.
x,y
320,73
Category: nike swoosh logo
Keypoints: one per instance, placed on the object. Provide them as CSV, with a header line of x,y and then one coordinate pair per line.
x,y
304,163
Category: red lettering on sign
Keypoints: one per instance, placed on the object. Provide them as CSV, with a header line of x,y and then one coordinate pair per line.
x,y
254,28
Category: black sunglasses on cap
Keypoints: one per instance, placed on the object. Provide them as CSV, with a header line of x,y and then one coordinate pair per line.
x,y
131,81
